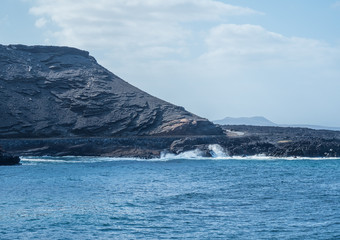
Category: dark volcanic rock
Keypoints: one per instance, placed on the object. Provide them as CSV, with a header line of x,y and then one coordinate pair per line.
x,y
281,141
6,159
63,92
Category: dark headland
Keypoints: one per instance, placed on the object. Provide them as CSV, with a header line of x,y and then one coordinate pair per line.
x,y
59,101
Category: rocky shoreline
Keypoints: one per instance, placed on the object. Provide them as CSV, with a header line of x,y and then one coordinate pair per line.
x,y
7,159
237,141
282,141
139,147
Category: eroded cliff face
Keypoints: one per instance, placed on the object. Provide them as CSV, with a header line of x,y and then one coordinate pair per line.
x,y
63,92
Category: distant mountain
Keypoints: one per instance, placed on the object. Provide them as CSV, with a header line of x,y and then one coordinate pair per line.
x,y
262,121
253,121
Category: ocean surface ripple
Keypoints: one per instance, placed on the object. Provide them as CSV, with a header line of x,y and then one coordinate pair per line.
x,y
170,198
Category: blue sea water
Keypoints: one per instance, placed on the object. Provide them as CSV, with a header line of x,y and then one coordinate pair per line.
x,y
105,198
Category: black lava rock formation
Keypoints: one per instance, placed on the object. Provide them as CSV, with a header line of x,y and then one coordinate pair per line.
x,y
6,159
281,141
63,92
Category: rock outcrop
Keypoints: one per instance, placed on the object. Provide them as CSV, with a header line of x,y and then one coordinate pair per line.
x,y
63,92
6,159
281,141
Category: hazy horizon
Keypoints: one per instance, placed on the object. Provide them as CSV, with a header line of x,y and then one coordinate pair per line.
x,y
217,59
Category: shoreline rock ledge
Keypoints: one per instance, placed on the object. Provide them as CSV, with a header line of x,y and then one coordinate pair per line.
x,y
7,160
49,92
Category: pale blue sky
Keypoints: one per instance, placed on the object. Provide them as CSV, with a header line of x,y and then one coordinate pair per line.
x,y
279,59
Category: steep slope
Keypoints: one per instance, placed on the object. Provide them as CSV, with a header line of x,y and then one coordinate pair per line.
x,y
63,92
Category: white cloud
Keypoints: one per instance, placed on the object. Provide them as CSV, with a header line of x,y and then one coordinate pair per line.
x,y
253,70
253,44
130,27
189,47
41,22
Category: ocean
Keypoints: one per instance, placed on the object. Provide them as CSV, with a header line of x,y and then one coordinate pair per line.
x,y
179,197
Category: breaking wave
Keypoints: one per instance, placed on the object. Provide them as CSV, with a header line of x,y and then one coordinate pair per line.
x,y
216,151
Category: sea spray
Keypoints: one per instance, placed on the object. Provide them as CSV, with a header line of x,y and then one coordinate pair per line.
x,y
193,154
217,151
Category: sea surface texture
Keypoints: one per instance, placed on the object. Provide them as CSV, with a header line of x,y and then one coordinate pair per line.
x,y
170,198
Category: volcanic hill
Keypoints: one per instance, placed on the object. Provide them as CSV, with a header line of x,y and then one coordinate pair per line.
x,y
62,92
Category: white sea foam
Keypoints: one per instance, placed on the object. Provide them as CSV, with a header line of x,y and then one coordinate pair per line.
x,y
217,152
193,154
